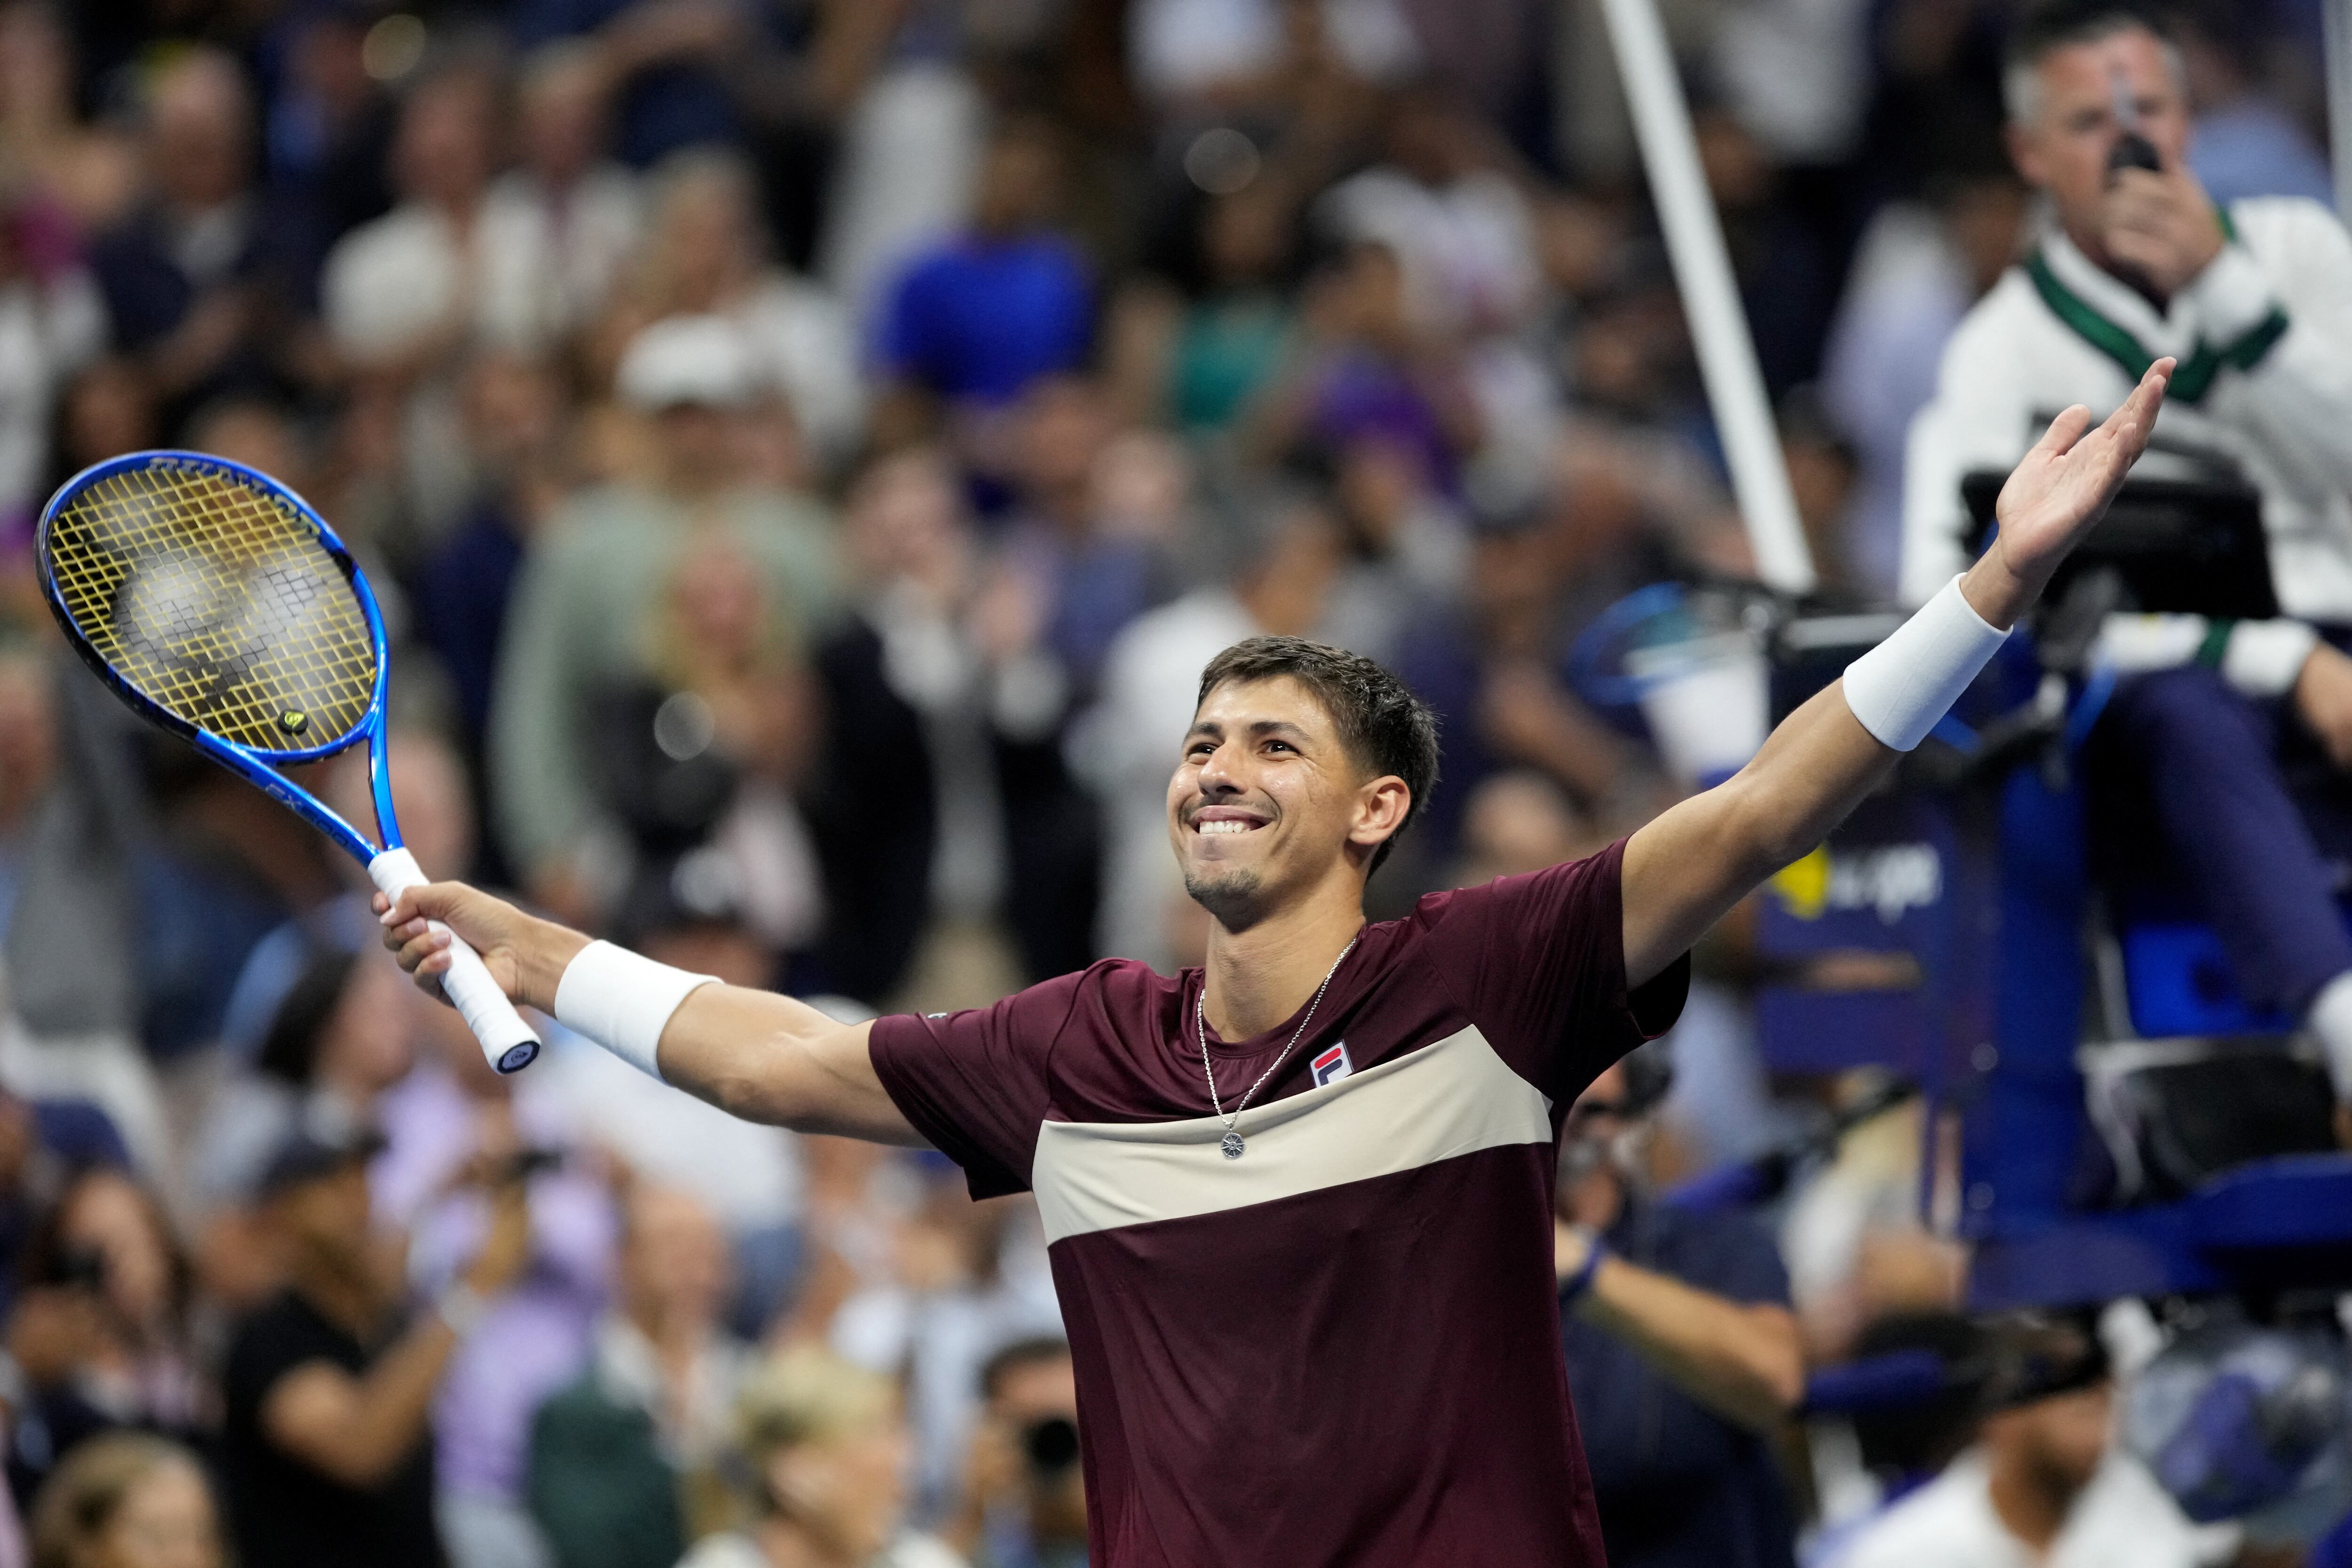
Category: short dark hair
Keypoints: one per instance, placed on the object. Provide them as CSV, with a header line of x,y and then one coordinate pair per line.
x,y
1920,1434
1379,718
2050,25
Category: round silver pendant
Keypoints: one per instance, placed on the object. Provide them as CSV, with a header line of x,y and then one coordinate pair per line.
x,y
1231,1145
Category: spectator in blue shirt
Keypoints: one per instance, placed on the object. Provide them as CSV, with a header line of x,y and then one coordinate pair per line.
x,y
972,322
1682,1355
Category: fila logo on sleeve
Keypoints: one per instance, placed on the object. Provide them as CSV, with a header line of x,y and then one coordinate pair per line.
x,y
1332,1065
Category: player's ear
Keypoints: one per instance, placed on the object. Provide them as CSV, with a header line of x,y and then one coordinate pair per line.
x,y
1380,808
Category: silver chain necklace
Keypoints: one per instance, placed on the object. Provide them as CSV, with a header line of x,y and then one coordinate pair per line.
x,y
1231,1145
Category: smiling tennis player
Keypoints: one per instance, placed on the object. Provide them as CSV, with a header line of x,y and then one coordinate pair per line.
x,y
1299,1202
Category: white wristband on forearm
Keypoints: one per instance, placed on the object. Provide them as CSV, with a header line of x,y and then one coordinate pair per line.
x,y
2264,658
1899,688
622,1001
2258,659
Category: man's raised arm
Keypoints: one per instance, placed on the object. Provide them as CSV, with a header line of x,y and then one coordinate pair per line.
x,y
752,1053
1684,870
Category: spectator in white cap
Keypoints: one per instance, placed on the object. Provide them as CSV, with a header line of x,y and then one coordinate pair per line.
x,y
687,361
606,595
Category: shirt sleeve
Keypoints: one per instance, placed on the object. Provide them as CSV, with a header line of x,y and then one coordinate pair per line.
x,y
2292,389
1538,961
975,1083
275,1342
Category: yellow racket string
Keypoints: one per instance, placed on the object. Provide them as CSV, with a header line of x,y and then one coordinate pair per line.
x,y
217,601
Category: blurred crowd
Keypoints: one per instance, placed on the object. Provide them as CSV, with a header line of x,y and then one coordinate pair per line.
x,y
805,451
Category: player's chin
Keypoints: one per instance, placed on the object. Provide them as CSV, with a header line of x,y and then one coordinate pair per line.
x,y
1234,894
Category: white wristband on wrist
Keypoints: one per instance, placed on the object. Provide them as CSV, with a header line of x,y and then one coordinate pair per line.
x,y
1901,688
623,1001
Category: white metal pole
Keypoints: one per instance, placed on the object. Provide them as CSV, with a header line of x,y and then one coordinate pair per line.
x,y
2337,23
1726,354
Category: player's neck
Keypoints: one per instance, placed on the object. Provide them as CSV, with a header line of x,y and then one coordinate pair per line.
x,y
1259,976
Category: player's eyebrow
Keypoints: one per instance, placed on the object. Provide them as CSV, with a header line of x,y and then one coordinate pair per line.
x,y
1210,730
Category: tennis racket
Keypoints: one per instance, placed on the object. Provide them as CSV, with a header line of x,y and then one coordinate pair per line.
x,y
218,606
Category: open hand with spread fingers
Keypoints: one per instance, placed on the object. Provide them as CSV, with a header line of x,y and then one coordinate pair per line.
x,y
2056,494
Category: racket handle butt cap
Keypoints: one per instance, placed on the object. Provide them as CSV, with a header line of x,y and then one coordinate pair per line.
x,y
507,1042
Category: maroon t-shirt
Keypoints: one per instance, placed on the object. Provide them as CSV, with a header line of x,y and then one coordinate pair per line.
x,y
1344,1346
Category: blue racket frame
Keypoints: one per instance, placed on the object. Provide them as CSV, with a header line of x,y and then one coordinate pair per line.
x,y
257,767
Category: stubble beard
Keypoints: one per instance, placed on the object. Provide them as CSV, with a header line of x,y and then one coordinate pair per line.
x,y
1230,896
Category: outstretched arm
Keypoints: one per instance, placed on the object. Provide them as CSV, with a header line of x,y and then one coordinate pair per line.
x,y
753,1054
1684,870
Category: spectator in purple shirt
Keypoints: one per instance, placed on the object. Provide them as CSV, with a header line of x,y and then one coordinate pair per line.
x,y
449,1121
1365,371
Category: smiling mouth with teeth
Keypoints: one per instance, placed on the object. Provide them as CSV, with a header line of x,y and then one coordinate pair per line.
x,y
1224,825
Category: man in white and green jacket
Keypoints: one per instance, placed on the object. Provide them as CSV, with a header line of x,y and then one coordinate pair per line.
x,y
2255,301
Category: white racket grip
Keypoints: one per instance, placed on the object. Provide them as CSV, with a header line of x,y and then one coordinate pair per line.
x,y
509,1044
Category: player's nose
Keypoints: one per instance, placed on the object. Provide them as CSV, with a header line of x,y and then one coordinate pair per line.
x,y
1216,777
